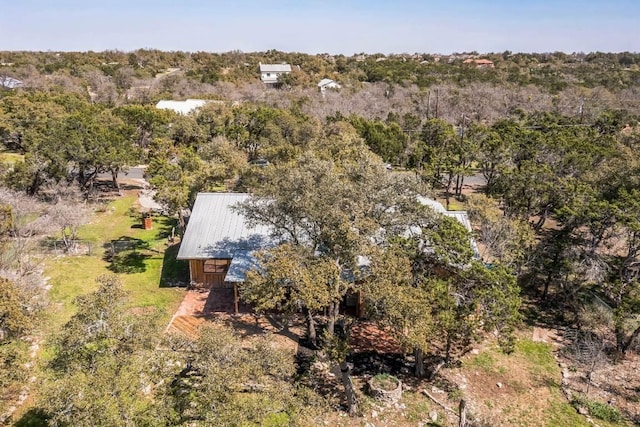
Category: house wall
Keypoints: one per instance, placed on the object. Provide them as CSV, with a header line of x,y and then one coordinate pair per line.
x,y
329,86
208,279
271,77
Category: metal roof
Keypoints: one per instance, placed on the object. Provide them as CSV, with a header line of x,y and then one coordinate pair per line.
x,y
436,206
216,230
325,82
275,68
181,107
10,82
461,216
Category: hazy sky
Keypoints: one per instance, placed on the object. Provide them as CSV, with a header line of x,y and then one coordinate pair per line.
x,y
316,26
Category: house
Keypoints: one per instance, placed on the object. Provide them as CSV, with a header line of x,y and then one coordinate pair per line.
x,y
461,216
181,107
219,244
479,63
7,82
269,73
325,84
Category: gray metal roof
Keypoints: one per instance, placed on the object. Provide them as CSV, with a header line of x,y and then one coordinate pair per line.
x,y
462,218
9,82
216,230
275,68
436,206
181,107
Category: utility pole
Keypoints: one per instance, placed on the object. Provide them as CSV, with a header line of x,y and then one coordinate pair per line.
x,y
437,100
581,109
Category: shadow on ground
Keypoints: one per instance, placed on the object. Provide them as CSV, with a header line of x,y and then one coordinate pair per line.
x,y
174,272
33,418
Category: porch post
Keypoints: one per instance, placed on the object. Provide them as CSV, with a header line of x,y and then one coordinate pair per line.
x,y
235,297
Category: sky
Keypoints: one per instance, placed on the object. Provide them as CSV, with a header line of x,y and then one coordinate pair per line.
x,y
319,26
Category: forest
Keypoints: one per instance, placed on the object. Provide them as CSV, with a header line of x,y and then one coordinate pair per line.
x,y
552,138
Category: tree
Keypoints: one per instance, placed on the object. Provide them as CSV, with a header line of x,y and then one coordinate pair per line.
x,y
427,287
328,204
624,292
494,149
103,371
386,140
445,157
147,121
96,141
23,220
14,313
68,215
509,241
224,381
291,280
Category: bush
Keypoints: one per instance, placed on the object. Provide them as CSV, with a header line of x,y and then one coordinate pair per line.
x,y
385,382
597,409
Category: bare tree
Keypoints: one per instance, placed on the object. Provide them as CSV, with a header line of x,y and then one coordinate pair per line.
x,y
68,214
23,221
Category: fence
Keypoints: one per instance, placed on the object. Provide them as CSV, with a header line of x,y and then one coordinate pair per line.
x,y
86,247
75,247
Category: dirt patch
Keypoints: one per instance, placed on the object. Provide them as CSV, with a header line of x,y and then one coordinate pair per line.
x,y
505,390
367,337
615,384
546,335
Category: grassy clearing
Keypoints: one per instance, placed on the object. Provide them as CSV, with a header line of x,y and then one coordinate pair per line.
x,y
529,393
147,281
148,271
10,158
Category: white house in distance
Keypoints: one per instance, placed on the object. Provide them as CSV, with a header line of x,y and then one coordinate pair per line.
x,y
7,82
269,73
325,84
181,107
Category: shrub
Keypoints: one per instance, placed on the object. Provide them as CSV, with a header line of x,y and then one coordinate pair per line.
x,y
597,409
385,382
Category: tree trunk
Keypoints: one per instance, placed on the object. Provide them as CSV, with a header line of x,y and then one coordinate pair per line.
x,y
114,179
312,335
334,310
436,369
419,370
447,190
459,185
352,402
35,184
622,342
447,350
463,414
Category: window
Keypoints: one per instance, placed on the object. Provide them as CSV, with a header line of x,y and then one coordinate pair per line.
x,y
219,266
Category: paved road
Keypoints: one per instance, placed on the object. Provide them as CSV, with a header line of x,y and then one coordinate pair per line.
x,y
475,180
136,172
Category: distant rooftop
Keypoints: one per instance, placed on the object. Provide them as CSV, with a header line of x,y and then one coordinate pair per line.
x,y
275,68
181,107
9,82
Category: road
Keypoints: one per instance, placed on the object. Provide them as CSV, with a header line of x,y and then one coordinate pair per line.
x,y
136,172
475,180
